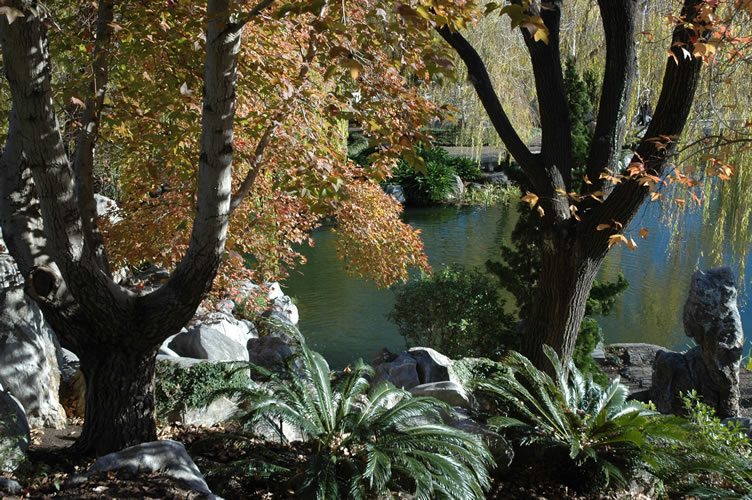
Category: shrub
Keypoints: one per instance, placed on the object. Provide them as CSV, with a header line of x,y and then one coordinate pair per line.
x,y
367,445
601,438
178,388
455,311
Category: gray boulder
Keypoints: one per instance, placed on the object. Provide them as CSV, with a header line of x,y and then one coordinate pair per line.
x,y
456,190
14,432
269,352
396,191
167,457
712,318
401,371
10,486
224,323
207,343
285,307
180,361
450,393
28,359
432,366
72,385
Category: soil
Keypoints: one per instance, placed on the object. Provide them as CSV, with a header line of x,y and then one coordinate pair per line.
x,y
51,468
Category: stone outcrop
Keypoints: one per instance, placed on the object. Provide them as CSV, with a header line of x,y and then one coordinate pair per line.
x,y
207,343
711,318
419,365
167,457
29,359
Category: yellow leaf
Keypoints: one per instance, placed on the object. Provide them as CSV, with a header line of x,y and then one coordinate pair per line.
x,y
643,233
541,35
530,198
540,210
631,244
616,238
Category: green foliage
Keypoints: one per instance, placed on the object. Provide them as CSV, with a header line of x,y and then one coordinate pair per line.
x,y
435,184
599,436
580,114
490,195
363,444
178,388
456,311
712,461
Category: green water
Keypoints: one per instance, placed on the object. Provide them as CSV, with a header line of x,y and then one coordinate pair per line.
x,y
345,318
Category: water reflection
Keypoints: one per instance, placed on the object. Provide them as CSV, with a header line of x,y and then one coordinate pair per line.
x,y
345,318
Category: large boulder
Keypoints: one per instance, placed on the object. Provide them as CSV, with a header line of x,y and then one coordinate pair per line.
x,y
450,393
28,359
232,328
168,458
219,410
269,352
14,432
396,191
419,365
207,343
711,318
432,366
499,447
72,385
401,371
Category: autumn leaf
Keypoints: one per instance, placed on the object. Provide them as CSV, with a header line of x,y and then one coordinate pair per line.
x,y
530,198
631,244
602,227
643,233
615,239
540,210
11,14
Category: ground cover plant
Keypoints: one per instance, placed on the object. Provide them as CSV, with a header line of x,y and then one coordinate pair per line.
x,y
360,441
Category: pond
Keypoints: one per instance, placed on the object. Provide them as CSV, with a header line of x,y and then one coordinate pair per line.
x,y
344,318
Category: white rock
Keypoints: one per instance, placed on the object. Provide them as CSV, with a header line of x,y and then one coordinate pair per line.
x,y
14,432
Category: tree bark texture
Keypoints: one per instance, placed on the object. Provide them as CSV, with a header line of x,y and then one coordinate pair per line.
x,y
572,250
47,219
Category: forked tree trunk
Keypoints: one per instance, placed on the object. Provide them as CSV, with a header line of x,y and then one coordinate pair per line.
x,y
119,398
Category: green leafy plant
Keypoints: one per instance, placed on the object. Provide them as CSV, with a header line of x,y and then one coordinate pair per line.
x,y
363,444
489,195
595,431
178,388
454,310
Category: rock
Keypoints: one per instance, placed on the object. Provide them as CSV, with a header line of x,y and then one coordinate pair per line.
x,y
712,318
457,189
499,447
14,432
28,359
495,178
402,372
269,352
166,457
209,344
166,351
284,306
219,410
9,273
274,290
396,191
432,365
276,324
69,363
223,323
277,432
450,393
10,486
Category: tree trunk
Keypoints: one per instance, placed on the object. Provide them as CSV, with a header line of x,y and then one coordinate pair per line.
x,y
119,398
566,277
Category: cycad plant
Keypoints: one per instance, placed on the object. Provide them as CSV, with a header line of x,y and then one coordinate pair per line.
x,y
365,444
604,436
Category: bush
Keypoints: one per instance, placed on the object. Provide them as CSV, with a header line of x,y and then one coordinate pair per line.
x,y
597,437
366,445
178,388
455,311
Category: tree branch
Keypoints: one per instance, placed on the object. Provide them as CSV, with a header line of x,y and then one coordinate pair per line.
x,y
479,77
618,77
680,82
556,130
84,159
193,277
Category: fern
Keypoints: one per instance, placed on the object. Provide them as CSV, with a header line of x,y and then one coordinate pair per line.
x,y
367,444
